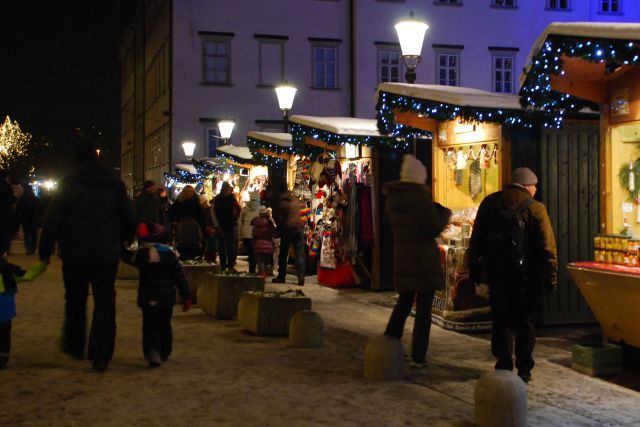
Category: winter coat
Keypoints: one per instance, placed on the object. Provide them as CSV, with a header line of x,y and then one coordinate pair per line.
x,y
287,211
226,210
541,261
248,213
263,234
160,275
149,207
188,208
29,208
90,216
415,222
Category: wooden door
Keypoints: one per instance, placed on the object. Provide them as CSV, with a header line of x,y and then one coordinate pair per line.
x,y
569,187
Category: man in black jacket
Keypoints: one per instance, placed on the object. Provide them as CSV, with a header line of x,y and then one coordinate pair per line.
x,y
90,216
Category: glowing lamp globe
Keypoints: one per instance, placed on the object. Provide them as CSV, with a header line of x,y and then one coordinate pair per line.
x,y
188,147
226,127
285,93
411,35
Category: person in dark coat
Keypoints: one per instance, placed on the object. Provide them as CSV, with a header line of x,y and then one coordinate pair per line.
x,y
263,232
91,217
288,218
226,210
416,221
7,216
148,205
160,275
29,211
187,205
514,293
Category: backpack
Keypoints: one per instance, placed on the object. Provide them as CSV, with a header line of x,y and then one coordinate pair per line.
x,y
509,234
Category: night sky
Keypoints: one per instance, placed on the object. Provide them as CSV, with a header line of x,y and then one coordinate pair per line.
x,y
60,72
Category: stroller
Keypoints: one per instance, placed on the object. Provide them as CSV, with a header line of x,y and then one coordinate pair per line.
x,y
188,239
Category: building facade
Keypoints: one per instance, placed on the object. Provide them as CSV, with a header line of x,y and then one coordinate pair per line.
x,y
186,64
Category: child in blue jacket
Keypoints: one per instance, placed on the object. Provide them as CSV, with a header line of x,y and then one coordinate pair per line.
x,y
10,275
160,274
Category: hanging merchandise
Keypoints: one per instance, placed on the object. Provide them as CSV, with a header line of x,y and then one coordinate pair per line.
x,y
484,157
475,179
451,159
461,165
327,252
494,154
632,180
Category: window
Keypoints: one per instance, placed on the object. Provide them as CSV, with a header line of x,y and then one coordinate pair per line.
x,y
269,125
389,64
213,140
449,2
270,59
610,6
216,57
504,3
559,4
324,61
448,65
157,149
503,66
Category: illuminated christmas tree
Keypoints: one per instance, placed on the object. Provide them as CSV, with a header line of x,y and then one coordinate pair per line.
x,y
13,143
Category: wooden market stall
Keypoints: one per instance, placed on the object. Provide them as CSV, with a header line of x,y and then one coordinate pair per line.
x,y
577,65
336,176
274,150
472,133
250,176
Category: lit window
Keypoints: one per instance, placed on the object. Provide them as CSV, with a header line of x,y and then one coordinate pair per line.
x,y
503,66
504,3
389,65
559,4
216,58
447,69
610,6
325,66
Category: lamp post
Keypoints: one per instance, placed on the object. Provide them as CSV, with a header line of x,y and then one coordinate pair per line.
x,y
411,34
285,93
226,128
188,147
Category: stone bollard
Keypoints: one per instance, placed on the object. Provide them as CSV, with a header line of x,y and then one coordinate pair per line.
x,y
306,329
384,359
501,400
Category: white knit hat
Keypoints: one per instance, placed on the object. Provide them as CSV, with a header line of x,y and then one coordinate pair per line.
x,y
413,170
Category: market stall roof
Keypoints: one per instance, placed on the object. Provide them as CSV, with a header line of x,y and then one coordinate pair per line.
x,y
312,133
571,64
339,125
237,155
270,148
444,103
188,167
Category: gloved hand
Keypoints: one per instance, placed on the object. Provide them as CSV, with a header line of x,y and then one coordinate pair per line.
x,y
187,305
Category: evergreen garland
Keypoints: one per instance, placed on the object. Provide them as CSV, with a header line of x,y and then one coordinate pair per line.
x,y
389,103
536,92
263,159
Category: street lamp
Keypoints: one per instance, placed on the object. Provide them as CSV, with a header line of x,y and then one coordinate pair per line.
x,y
411,34
188,147
285,93
226,127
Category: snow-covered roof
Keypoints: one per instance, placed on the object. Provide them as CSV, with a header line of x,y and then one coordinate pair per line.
x,y
188,167
589,30
281,139
454,95
240,152
340,125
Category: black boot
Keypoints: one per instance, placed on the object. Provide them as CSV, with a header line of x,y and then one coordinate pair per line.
x,y
278,279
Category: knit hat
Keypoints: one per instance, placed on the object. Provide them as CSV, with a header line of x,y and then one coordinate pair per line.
x,y
413,170
262,210
523,176
151,232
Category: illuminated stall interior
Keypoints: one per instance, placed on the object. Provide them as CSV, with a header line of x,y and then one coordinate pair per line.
x,y
336,178
274,150
249,176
